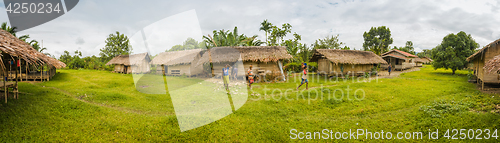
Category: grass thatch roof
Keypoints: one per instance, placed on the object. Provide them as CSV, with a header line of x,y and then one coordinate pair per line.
x,y
347,56
247,53
419,60
485,48
126,59
428,59
493,65
15,47
176,57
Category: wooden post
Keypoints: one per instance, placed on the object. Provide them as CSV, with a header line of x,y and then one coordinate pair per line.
x,y
50,73
27,71
15,87
4,84
482,85
41,73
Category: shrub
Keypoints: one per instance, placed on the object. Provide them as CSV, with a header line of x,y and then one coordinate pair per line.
x,y
441,107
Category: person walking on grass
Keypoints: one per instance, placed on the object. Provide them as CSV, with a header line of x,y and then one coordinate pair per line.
x,y
250,77
304,76
389,69
225,76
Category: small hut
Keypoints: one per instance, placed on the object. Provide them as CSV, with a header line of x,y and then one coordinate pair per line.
x,y
137,63
399,60
426,60
264,59
16,55
178,62
334,61
480,66
418,62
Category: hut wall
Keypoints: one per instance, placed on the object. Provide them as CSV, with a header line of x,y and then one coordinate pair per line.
x,y
143,67
349,68
323,66
119,68
488,55
268,67
179,70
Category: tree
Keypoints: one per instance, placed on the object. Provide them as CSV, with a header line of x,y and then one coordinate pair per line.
x,y
11,30
377,40
118,44
189,44
227,38
266,27
407,48
453,51
278,34
328,42
425,53
65,58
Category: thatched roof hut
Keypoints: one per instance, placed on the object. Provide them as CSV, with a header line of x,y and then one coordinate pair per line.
x,y
262,54
11,45
265,59
335,61
137,63
485,63
176,57
347,56
178,62
399,60
129,60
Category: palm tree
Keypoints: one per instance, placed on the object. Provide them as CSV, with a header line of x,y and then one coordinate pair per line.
x,y
266,27
11,30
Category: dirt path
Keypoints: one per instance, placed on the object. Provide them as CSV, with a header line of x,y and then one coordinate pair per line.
x,y
385,73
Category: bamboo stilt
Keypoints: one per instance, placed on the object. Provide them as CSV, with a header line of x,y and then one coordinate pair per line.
x,y
17,79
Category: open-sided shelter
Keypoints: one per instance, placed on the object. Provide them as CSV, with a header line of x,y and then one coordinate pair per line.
x,y
16,55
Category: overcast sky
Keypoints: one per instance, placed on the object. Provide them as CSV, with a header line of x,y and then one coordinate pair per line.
x,y
86,27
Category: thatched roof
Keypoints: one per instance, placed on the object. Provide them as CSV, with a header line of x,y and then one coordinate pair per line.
x,y
408,55
15,47
485,48
429,59
176,57
419,60
347,56
126,59
493,65
247,53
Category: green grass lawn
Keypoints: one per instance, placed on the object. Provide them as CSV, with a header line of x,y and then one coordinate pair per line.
x,y
99,106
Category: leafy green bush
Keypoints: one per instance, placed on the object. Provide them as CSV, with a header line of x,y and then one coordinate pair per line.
x,y
441,107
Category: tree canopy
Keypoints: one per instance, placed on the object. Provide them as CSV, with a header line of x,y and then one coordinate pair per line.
x,y
329,42
116,44
453,51
377,40
189,44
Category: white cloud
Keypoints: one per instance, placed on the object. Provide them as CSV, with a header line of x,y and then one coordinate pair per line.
x,y
423,22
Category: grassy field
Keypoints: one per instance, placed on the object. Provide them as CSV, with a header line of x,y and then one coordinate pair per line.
x,y
99,106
